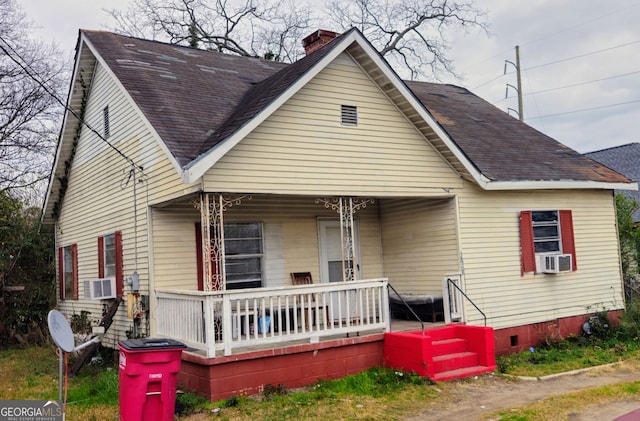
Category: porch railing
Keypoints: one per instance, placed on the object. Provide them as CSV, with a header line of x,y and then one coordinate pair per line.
x,y
224,321
454,301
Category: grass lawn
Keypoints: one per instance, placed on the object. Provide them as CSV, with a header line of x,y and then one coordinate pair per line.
x,y
377,394
573,353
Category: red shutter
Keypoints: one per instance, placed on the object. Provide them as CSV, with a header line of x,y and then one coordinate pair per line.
x,y
199,256
527,249
74,257
119,264
100,257
61,272
568,242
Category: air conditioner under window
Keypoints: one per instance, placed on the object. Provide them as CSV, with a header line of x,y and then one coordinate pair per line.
x,y
100,289
556,263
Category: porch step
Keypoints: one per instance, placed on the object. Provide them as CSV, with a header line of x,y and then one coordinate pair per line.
x,y
462,373
444,353
455,361
448,346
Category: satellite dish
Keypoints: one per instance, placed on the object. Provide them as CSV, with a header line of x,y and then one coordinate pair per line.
x,y
61,331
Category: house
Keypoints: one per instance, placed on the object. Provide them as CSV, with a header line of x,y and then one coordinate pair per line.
x,y
623,159
261,212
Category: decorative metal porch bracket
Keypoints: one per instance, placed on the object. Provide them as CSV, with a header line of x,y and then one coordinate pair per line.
x,y
212,223
346,208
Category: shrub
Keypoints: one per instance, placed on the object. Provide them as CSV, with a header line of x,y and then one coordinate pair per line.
x,y
629,328
599,327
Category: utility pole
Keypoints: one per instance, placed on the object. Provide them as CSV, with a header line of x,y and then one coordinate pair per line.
x,y
520,108
519,83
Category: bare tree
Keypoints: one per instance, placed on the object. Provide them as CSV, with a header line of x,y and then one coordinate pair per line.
x,y
411,34
245,28
29,115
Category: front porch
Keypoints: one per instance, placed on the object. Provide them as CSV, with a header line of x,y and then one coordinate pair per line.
x,y
228,290
239,341
216,323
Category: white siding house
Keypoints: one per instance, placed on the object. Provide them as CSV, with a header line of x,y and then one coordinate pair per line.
x,y
215,179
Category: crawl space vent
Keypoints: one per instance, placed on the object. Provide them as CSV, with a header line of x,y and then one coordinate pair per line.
x,y
349,115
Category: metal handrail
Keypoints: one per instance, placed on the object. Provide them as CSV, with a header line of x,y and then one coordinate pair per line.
x,y
451,282
408,306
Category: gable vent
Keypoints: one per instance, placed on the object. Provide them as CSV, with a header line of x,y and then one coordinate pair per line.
x,y
107,127
349,115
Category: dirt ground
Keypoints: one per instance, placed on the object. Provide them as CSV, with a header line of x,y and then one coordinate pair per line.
x,y
471,399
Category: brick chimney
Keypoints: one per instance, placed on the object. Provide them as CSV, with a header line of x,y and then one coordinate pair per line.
x,y
317,39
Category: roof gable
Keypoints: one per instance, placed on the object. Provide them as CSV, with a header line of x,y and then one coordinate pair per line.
x,y
185,93
202,103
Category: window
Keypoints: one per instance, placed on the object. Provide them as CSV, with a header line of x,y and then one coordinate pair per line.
x,y
109,256
243,255
545,232
68,272
110,259
105,116
349,115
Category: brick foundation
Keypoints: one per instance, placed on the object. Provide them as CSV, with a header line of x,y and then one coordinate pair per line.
x,y
301,365
520,338
294,366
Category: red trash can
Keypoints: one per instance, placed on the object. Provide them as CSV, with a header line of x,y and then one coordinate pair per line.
x,y
148,378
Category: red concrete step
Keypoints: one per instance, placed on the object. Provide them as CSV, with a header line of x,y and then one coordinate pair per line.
x,y
462,373
448,346
455,361
442,333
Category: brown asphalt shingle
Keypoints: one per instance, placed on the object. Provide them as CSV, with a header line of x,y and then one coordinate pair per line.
x,y
502,147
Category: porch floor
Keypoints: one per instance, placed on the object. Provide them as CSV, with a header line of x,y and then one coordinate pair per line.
x,y
397,325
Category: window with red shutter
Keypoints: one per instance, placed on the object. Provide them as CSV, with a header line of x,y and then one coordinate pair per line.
x,y
119,264
527,251
110,259
568,242
545,232
68,272
243,255
199,257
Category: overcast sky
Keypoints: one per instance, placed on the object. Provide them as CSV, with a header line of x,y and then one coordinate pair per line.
x,y
580,61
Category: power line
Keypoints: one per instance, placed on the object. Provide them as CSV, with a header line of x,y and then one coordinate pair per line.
x,y
489,81
600,16
585,109
563,60
28,71
583,55
582,83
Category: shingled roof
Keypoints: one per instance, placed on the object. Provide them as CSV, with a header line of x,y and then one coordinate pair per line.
x,y
504,148
624,159
196,99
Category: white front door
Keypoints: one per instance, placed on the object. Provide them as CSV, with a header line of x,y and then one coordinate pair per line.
x,y
331,264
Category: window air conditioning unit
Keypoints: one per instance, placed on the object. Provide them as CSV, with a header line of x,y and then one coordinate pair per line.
x,y
555,263
100,289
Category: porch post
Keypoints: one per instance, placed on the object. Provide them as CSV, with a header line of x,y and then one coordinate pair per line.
x,y
212,222
212,243
347,235
346,208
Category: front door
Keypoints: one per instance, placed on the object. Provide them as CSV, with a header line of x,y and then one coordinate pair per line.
x,y
331,269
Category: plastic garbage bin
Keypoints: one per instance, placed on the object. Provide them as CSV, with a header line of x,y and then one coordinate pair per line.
x,y
148,377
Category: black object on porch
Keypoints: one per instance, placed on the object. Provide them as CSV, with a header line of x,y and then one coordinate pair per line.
x,y
426,307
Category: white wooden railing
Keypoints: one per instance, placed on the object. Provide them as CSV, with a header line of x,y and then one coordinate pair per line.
x,y
224,321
